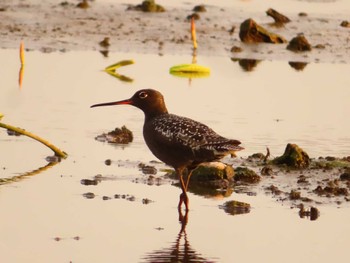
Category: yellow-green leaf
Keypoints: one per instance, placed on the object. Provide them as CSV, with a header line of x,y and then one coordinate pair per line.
x,y
190,68
119,64
190,71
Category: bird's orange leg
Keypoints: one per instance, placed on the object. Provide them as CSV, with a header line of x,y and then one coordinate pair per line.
x,y
188,178
183,195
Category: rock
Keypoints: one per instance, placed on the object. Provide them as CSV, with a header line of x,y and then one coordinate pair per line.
x,y
345,23
209,179
345,176
199,8
330,158
278,17
148,6
320,46
266,170
330,191
294,157
299,44
235,207
105,42
251,32
120,135
236,49
245,175
294,195
83,4
212,171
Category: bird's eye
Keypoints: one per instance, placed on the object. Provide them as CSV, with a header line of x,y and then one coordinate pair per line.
x,y
143,95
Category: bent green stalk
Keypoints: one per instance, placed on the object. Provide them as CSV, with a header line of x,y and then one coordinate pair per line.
x,y
56,150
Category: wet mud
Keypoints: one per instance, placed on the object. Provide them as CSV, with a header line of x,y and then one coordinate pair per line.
x,y
118,27
305,184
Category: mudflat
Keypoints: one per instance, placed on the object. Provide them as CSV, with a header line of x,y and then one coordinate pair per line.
x,y
62,26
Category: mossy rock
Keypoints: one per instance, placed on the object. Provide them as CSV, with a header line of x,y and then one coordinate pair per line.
x,y
148,6
209,179
330,164
212,171
294,157
245,175
235,207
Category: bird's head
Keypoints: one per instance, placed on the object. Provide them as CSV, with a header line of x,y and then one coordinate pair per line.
x,y
150,101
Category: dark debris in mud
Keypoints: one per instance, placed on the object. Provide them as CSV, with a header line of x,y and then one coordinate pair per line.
x,y
119,136
323,181
147,169
127,197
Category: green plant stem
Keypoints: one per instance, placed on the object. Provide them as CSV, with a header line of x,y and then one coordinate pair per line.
x,y
56,150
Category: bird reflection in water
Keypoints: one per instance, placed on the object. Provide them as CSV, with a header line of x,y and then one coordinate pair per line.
x,y
180,250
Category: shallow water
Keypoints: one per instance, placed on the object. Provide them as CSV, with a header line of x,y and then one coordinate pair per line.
x,y
45,217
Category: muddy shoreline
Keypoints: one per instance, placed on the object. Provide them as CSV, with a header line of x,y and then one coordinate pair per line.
x,y
61,26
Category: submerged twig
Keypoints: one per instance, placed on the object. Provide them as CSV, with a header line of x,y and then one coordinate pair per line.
x,y
56,150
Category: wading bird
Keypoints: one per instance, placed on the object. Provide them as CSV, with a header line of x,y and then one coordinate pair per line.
x,y
178,141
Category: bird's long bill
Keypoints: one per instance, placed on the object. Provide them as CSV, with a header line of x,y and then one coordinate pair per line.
x,y
121,102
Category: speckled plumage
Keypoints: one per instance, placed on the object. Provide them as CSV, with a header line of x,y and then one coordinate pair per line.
x,y
177,141
192,141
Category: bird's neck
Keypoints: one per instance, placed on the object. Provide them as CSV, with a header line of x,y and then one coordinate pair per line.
x,y
154,113
156,109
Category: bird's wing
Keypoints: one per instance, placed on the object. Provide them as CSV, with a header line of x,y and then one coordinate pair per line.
x,y
193,134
